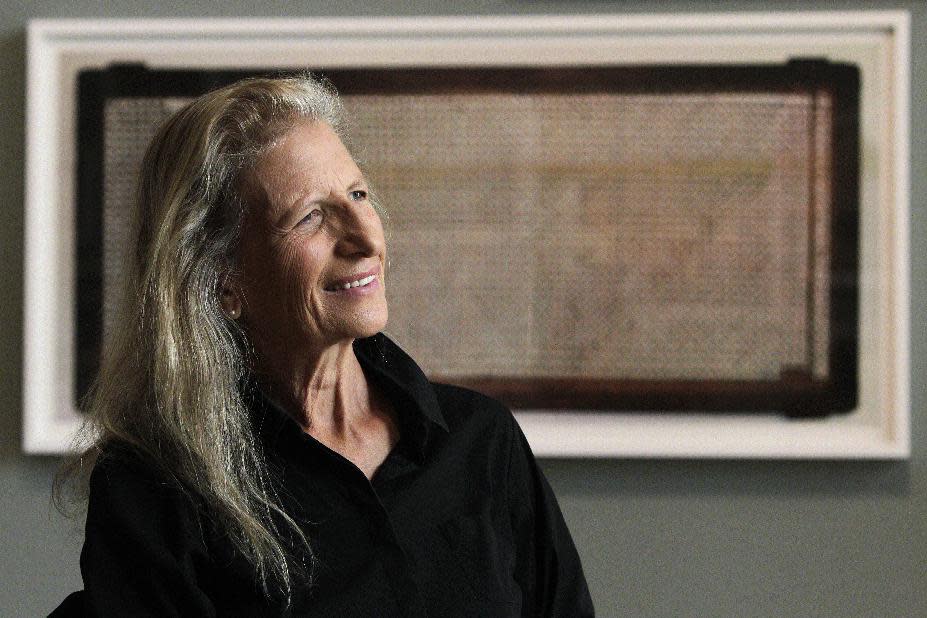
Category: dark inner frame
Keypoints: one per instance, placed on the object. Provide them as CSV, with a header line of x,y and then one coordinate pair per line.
x,y
796,393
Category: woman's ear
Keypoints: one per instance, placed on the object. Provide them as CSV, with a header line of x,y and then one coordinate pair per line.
x,y
230,298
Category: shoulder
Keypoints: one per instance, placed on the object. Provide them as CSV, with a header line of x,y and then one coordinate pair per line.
x,y
118,461
145,551
480,425
125,481
462,406
134,508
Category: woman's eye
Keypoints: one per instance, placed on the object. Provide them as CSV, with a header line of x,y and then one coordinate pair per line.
x,y
358,195
314,217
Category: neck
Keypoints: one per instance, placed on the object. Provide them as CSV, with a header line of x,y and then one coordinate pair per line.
x,y
321,390
329,396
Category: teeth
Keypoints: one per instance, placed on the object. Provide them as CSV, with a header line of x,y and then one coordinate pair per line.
x,y
358,283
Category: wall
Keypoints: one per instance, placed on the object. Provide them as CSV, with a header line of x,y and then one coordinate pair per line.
x,y
658,538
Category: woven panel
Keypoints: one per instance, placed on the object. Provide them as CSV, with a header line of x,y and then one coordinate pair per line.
x,y
672,236
605,236
129,125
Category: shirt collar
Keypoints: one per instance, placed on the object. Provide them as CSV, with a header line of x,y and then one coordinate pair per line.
x,y
384,362
397,372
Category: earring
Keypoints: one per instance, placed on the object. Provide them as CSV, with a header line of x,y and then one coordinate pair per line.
x,y
230,304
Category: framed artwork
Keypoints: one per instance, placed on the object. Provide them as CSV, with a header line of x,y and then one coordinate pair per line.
x,y
645,248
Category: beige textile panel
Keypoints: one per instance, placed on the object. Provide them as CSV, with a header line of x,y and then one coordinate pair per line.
x,y
624,236
616,236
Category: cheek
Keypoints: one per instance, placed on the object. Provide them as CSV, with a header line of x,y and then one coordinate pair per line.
x,y
270,277
299,270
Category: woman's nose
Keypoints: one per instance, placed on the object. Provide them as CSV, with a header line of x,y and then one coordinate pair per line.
x,y
361,231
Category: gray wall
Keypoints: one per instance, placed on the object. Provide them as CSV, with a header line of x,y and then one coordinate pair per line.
x,y
658,538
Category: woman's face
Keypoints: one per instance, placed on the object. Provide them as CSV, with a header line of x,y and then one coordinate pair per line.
x,y
312,250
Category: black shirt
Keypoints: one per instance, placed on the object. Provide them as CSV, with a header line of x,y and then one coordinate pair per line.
x,y
458,521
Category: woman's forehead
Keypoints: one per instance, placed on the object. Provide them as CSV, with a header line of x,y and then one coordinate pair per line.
x,y
309,158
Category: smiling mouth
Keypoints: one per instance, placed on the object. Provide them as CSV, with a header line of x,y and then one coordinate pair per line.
x,y
357,283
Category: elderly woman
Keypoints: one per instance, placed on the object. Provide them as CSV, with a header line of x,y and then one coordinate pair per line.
x,y
260,448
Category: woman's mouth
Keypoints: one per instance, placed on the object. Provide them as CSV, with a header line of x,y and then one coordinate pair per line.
x,y
357,283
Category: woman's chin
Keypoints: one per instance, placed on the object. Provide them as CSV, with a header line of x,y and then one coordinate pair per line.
x,y
368,323
375,325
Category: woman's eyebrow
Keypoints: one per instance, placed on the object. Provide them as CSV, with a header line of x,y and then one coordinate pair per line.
x,y
300,197
282,216
359,181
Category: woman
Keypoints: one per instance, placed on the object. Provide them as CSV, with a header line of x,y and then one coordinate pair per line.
x,y
260,447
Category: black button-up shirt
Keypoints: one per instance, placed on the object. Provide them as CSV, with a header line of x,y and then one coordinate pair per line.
x,y
458,521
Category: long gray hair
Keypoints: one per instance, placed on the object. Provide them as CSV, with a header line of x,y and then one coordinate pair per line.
x,y
170,384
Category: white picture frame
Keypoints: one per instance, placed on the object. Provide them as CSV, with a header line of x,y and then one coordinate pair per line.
x,y
877,42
